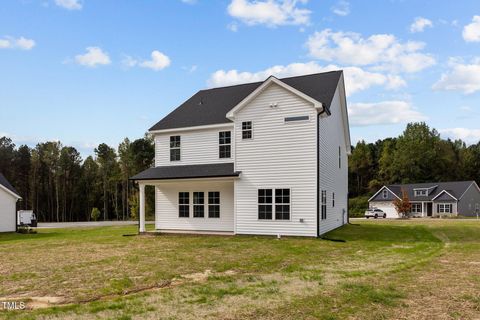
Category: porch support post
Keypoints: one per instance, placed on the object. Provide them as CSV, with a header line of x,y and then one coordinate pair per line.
x,y
142,208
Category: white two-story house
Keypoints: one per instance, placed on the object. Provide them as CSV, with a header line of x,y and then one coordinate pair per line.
x,y
266,158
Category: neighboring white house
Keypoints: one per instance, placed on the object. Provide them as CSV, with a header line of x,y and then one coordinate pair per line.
x,y
266,158
8,205
431,199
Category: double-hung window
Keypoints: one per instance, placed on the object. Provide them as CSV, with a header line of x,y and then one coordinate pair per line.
x,y
175,148
225,144
265,200
282,204
416,208
198,205
268,199
324,204
214,204
444,208
183,204
246,130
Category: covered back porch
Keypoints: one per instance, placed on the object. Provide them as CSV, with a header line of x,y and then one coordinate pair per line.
x,y
190,198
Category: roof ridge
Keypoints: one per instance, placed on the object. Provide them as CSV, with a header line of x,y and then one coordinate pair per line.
x,y
435,182
272,75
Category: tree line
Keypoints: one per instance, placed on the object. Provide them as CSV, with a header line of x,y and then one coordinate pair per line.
x,y
59,185
419,154
55,182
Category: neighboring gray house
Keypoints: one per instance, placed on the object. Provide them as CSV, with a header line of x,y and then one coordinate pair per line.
x,y
8,205
431,199
265,158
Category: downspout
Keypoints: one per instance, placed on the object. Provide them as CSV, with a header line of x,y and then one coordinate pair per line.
x,y
327,111
318,174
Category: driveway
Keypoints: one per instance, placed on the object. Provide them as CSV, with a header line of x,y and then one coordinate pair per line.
x,y
87,224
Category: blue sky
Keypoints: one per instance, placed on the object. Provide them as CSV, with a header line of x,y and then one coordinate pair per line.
x,y
90,71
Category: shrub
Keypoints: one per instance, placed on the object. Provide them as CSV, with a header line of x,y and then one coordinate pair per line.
x,y
95,214
357,206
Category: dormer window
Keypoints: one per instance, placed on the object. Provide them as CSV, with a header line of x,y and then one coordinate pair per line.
x,y
421,192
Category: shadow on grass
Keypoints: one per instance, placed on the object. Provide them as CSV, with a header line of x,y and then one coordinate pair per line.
x,y
12,236
382,233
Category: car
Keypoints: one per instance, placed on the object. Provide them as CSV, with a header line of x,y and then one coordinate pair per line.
x,y
375,213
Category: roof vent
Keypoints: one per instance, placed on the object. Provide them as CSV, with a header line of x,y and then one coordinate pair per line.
x,y
202,102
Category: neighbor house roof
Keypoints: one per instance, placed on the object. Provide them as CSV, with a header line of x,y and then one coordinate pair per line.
x,y
208,107
188,172
454,188
6,185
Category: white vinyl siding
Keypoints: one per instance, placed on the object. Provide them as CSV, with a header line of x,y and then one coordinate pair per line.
x,y
7,211
333,178
280,156
166,206
197,147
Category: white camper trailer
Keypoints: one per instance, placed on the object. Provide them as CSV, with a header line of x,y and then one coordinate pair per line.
x,y
26,218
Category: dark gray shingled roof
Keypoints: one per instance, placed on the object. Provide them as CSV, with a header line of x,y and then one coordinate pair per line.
x,y
4,182
188,172
455,188
212,105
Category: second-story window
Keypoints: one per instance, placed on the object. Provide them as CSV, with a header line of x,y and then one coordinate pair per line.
x,y
225,144
246,130
175,148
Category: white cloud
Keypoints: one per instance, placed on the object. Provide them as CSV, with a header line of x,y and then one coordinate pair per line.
x,y
190,69
18,43
356,79
461,77
470,136
94,56
232,27
384,112
69,4
158,62
342,8
420,24
471,32
189,1
129,61
382,51
269,12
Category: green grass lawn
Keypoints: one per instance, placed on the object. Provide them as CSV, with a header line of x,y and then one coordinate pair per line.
x,y
412,269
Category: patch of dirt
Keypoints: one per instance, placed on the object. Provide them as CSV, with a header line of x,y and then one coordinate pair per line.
x,y
48,301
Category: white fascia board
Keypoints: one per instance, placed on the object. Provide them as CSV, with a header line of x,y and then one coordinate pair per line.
x,y
444,191
473,183
153,182
10,192
384,187
208,126
346,126
231,114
